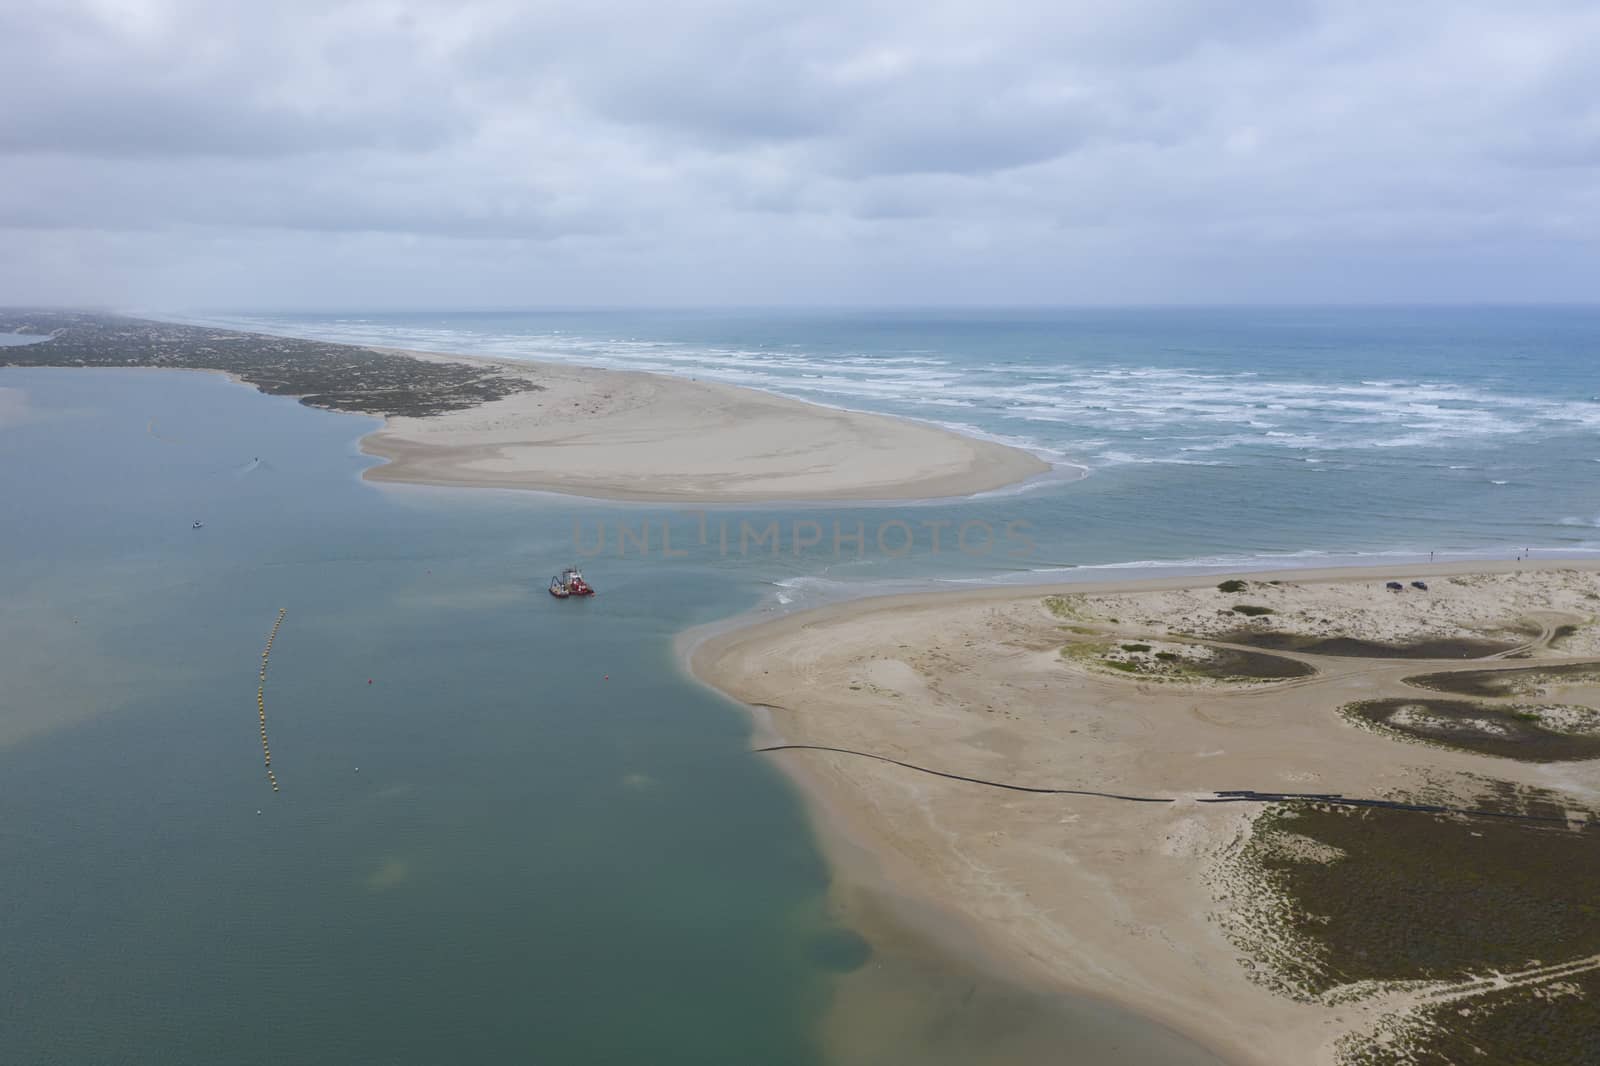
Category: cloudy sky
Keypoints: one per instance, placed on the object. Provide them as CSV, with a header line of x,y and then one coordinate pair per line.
x,y
489,153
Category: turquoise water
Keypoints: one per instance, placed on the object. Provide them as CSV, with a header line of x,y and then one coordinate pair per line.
x,y
1234,438
555,849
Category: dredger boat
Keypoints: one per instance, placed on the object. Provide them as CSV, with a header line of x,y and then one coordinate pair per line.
x,y
570,582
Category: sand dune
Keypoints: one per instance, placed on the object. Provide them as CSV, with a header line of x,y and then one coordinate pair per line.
x,y
1116,898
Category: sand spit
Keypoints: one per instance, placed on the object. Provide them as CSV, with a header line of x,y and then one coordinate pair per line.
x,y
1143,903
461,420
634,436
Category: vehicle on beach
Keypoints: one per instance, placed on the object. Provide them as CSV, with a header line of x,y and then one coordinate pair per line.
x,y
570,582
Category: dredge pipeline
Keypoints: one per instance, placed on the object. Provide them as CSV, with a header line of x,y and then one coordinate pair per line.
x,y
261,698
1332,799
972,780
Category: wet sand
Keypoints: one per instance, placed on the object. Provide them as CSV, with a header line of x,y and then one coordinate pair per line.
x,y
1093,895
633,436
462,420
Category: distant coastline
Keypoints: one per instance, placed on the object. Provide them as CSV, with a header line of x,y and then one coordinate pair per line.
x,y
472,422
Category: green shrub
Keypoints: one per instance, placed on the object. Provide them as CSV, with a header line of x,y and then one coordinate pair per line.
x,y
1233,585
1251,611
1136,647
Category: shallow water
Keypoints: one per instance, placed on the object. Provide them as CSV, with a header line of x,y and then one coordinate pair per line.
x,y
1234,432
509,829
556,846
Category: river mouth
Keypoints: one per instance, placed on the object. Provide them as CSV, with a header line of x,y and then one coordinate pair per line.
x,y
507,827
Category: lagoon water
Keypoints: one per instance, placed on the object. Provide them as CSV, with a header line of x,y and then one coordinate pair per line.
x,y
556,848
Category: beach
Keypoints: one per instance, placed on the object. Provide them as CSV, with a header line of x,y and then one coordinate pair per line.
x,y
1047,868
462,420
625,435
1106,893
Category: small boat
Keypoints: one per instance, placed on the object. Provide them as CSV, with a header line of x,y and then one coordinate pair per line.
x,y
198,525
570,582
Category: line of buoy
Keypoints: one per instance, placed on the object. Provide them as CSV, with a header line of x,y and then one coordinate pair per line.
x,y
261,698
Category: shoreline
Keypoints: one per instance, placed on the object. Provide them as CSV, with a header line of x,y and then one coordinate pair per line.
x,y
459,420
860,810
644,437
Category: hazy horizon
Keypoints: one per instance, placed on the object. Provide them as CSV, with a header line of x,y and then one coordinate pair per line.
x,y
803,309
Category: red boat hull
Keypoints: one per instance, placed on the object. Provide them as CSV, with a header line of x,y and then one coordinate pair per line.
x,y
570,583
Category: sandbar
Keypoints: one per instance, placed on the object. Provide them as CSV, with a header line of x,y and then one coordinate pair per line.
x,y
1112,896
463,420
627,435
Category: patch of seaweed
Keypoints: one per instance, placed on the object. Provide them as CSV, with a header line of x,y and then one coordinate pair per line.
x,y
1254,665
1506,732
1431,648
1549,1023
1521,681
1215,664
1421,897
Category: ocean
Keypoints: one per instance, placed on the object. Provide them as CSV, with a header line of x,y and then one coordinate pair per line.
x,y
509,828
1219,437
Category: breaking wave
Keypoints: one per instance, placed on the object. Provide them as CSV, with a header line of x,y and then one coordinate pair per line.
x,y
1106,412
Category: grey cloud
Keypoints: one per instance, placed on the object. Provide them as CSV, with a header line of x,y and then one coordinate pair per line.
x,y
136,121
185,85
361,196
754,150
